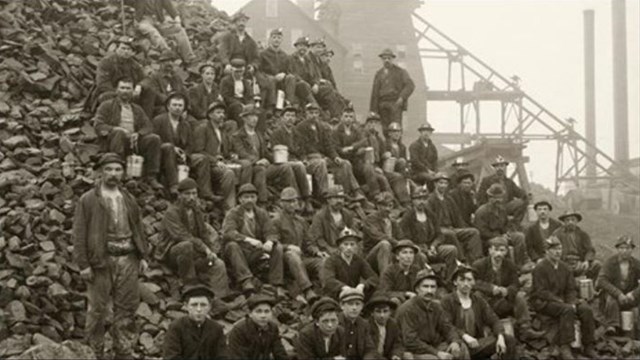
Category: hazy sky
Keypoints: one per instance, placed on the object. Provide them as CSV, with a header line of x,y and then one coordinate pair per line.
x,y
541,41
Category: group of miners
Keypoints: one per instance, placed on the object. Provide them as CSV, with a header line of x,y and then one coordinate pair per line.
x,y
393,257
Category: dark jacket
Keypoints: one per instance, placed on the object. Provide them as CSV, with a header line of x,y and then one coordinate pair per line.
x,y
484,314
230,47
234,221
373,230
341,139
324,233
274,62
486,278
423,235
583,249
315,137
206,142
153,8
423,158
90,226
248,341
466,204
155,90
553,285
243,146
293,230
445,210
337,273
534,239
395,282
304,69
182,137
175,229
108,117
357,339
227,90
513,191
399,153
424,326
393,340
113,67
610,278
309,343
200,98
282,136
186,340
391,86
491,221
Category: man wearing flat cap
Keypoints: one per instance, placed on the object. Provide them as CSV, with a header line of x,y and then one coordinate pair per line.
x,y
397,279
392,87
577,250
121,63
323,337
620,280
212,145
207,91
554,294
383,328
427,332
536,233
236,90
162,82
516,199
357,338
463,195
109,240
190,245
124,128
195,336
424,157
328,222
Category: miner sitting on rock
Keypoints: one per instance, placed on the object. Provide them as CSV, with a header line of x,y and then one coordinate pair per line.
x,y
397,279
577,250
516,199
202,95
162,82
250,241
188,243
538,232
195,336
619,279
380,233
124,128
328,222
384,329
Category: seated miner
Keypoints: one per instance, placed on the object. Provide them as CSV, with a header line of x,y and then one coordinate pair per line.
x,y
536,233
357,338
108,239
392,87
460,167
256,336
424,157
380,233
175,129
188,244
554,294
463,195
357,205
121,63
327,224
421,226
274,63
427,332
283,135
195,335
516,199
253,154
577,250
397,177
317,147
211,146
470,314
491,220
325,67
125,129
293,233
250,242
397,279
323,338
203,94
236,90
162,82
497,280
620,282
346,268
383,329
367,165
442,205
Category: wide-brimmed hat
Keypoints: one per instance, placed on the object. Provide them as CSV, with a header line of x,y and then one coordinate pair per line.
x,y
426,126
405,244
303,40
570,213
379,300
423,275
347,233
387,52
541,203
499,160
288,194
496,190
246,189
625,240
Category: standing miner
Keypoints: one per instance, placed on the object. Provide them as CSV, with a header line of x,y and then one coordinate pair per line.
x,y
110,247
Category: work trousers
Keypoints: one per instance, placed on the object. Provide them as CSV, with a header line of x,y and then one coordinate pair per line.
x,y
317,168
487,347
518,308
344,176
119,142
400,186
380,256
376,181
193,266
279,176
300,173
158,33
301,268
114,290
212,177
469,242
566,316
243,257
446,254
329,99
463,354
611,309
169,161
389,112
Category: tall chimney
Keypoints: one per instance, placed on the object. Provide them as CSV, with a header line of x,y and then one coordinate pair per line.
x,y
590,91
620,97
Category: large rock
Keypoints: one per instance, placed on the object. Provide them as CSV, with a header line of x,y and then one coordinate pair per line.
x,y
71,350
